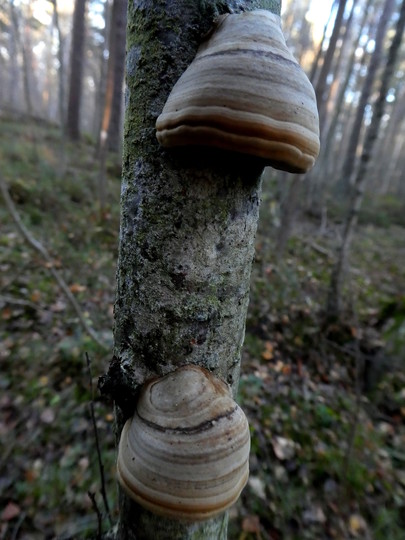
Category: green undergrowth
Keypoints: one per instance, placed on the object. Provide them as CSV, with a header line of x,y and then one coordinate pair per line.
x,y
48,455
326,402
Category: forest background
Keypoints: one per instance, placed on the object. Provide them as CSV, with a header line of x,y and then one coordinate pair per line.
x,y
323,371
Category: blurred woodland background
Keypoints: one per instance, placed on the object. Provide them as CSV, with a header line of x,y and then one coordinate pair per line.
x,y
323,371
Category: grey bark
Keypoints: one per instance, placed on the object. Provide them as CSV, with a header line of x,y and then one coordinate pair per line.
x,y
188,222
335,289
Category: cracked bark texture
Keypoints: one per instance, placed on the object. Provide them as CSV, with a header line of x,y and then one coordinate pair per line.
x,y
188,223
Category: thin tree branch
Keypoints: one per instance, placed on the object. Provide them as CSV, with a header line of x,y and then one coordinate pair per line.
x,y
100,462
92,497
37,246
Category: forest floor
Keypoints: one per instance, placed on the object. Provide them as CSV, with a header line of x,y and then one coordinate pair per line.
x,y
326,402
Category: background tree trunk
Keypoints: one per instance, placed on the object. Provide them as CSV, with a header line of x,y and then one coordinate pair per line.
x,y
26,55
317,185
76,71
119,22
188,223
350,159
321,86
335,290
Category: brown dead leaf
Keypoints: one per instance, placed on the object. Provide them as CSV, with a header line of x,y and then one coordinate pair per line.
x,y
77,288
6,313
35,296
268,352
251,524
11,511
30,475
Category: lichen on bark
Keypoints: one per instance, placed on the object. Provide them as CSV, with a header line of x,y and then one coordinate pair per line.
x,y
188,223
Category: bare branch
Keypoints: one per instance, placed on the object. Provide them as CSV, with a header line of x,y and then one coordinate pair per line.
x,y
37,246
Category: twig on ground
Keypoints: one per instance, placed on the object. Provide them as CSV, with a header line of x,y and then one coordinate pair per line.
x,y
18,302
92,497
37,246
319,249
100,462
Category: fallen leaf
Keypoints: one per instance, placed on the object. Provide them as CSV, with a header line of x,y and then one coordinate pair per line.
x,y
48,416
251,524
6,313
44,380
10,512
283,448
314,515
268,353
58,306
30,475
76,288
35,296
286,369
357,524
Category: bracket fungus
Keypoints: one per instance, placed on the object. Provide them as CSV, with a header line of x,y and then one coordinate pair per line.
x,y
245,92
185,452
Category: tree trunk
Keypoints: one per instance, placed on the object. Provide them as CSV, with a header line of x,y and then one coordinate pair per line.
x,y
76,71
14,83
119,22
321,86
61,90
188,223
316,62
389,148
61,69
316,187
335,289
25,57
113,93
289,208
102,78
348,166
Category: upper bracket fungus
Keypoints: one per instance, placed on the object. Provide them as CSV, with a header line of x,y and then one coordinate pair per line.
x,y
245,92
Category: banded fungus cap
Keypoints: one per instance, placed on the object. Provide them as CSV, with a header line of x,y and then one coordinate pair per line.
x,y
245,92
184,454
